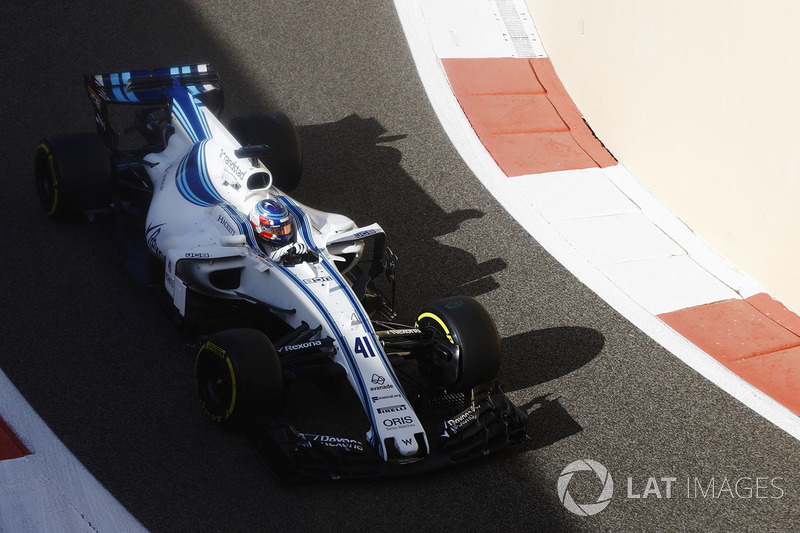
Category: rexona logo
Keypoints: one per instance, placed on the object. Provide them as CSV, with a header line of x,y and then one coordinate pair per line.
x,y
605,487
301,346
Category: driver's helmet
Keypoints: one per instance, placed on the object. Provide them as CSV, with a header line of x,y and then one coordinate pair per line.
x,y
272,222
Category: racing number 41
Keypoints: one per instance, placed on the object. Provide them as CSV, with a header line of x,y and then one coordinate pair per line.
x,y
364,347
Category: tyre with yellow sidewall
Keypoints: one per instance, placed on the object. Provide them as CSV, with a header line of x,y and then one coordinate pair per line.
x,y
466,346
73,174
238,375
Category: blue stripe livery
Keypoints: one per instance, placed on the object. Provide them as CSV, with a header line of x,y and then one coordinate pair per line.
x,y
194,182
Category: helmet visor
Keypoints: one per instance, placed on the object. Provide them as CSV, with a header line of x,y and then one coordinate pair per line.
x,y
276,230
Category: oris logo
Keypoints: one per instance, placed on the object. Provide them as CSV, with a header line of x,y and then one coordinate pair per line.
x,y
399,421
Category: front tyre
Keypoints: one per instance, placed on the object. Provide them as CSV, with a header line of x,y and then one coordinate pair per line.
x,y
238,374
465,347
73,174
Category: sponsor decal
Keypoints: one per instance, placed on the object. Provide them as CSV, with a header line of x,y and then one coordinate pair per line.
x,y
365,233
402,331
223,220
380,383
152,233
197,255
320,279
234,186
293,347
211,347
376,399
343,443
232,165
392,409
398,422
454,425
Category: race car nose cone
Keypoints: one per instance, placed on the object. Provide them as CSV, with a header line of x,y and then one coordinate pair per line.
x,y
407,445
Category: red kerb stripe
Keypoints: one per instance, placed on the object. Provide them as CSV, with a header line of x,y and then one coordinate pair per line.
x,y
10,445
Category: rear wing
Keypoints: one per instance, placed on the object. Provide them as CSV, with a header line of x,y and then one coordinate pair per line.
x,y
146,87
150,88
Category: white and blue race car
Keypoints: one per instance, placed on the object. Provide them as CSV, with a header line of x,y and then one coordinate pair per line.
x,y
270,304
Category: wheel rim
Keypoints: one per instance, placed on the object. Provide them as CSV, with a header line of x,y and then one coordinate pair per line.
x,y
443,366
216,386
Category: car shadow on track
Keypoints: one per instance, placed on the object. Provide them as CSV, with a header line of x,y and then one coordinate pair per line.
x,y
351,169
537,357
540,356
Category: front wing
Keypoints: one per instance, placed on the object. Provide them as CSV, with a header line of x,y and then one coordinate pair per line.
x,y
489,423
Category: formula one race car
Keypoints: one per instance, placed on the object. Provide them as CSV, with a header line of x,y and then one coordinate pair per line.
x,y
274,291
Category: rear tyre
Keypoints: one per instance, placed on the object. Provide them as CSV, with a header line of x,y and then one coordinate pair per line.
x,y
466,350
276,130
238,375
73,174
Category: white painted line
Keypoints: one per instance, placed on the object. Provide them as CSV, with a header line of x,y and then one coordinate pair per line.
x,y
481,28
652,282
468,28
29,501
627,237
607,227
511,195
697,247
50,490
574,194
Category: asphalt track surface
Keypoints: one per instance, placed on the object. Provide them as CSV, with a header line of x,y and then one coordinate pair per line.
x,y
96,357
